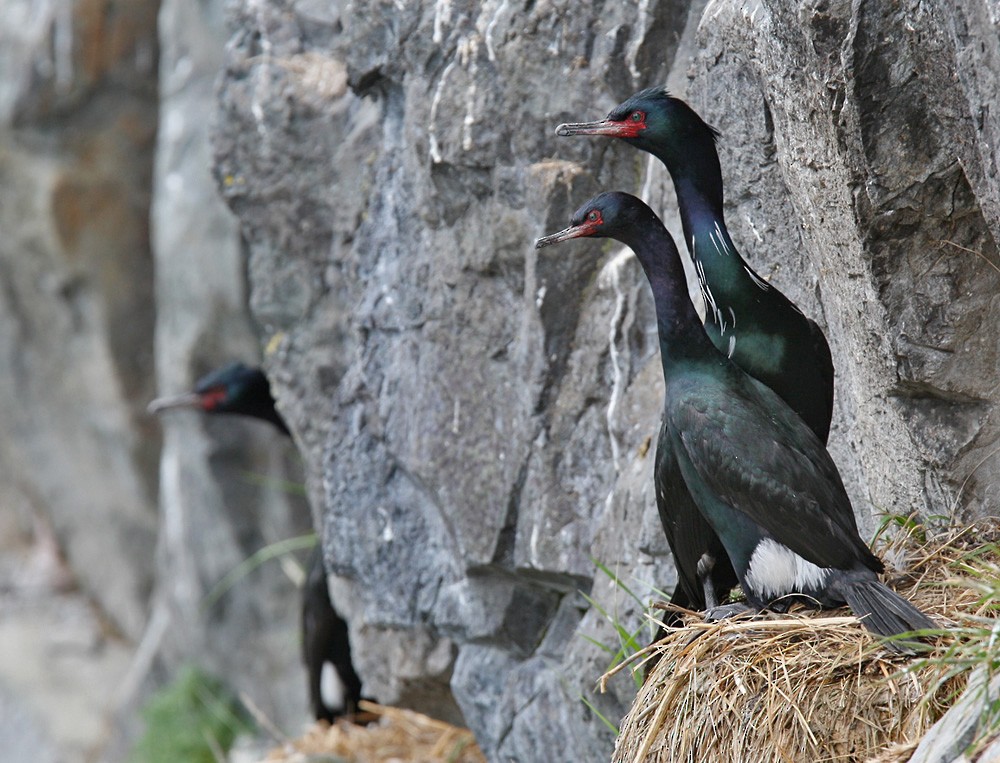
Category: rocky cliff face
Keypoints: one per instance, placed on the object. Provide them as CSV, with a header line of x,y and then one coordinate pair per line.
x,y
481,414
221,478
474,418
78,119
103,131
78,115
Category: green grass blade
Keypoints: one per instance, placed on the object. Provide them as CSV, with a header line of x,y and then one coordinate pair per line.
x,y
255,560
599,714
289,487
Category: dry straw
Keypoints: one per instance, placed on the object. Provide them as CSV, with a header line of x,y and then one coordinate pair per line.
x,y
396,736
814,686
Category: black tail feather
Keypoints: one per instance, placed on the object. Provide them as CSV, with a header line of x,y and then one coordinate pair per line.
x,y
884,612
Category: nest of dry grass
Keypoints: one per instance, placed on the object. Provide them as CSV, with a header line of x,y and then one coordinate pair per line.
x,y
816,686
395,736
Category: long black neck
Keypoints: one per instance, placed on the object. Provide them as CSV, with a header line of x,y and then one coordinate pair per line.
x,y
698,183
700,212
275,418
697,177
681,333
258,402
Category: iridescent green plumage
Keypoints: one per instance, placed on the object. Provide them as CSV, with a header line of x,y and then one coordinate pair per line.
x,y
753,478
746,318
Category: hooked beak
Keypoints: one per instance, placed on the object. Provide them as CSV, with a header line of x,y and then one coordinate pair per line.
x,y
187,400
573,231
604,127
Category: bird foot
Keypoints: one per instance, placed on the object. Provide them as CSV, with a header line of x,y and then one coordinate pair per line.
x,y
705,566
714,614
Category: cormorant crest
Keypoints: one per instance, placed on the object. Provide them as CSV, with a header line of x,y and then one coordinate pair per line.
x,y
659,92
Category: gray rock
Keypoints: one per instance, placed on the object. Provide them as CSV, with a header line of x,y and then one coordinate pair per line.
x,y
221,494
964,723
23,738
474,418
78,126
481,414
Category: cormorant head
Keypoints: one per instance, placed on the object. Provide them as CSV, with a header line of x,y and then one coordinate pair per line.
x,y
612,214
232,389
236,388
654,121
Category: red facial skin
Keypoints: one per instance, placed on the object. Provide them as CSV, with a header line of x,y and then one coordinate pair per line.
x,y
592,222
212,398
630,127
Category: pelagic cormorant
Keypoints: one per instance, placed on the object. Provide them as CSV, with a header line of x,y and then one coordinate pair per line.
x,y
235,388
746,318
334,685
757,474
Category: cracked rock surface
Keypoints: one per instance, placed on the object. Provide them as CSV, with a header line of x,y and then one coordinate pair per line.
x,y
476,417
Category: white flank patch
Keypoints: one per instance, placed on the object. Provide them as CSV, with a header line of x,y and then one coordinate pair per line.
x,y
332,690
776,570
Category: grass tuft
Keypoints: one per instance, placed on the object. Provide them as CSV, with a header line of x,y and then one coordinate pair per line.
x,y
816,685
195,719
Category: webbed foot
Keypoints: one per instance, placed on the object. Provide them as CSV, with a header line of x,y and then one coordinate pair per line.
x,y
724,611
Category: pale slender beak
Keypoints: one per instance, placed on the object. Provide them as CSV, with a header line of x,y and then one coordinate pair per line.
x,y
187,400
574,231
603,127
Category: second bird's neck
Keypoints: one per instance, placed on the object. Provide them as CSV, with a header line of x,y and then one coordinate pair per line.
x,y
701,215
681,333
721,269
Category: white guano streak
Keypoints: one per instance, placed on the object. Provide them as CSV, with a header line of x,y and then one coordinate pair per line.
x,y
488,33
468,53
434,149
442,16
638,37
610,275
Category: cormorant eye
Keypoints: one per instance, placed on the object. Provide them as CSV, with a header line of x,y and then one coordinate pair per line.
x,y
594,216
637,116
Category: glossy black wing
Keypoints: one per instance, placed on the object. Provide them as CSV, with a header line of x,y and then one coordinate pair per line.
x,y
758,457
688,533
824,373
325,639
